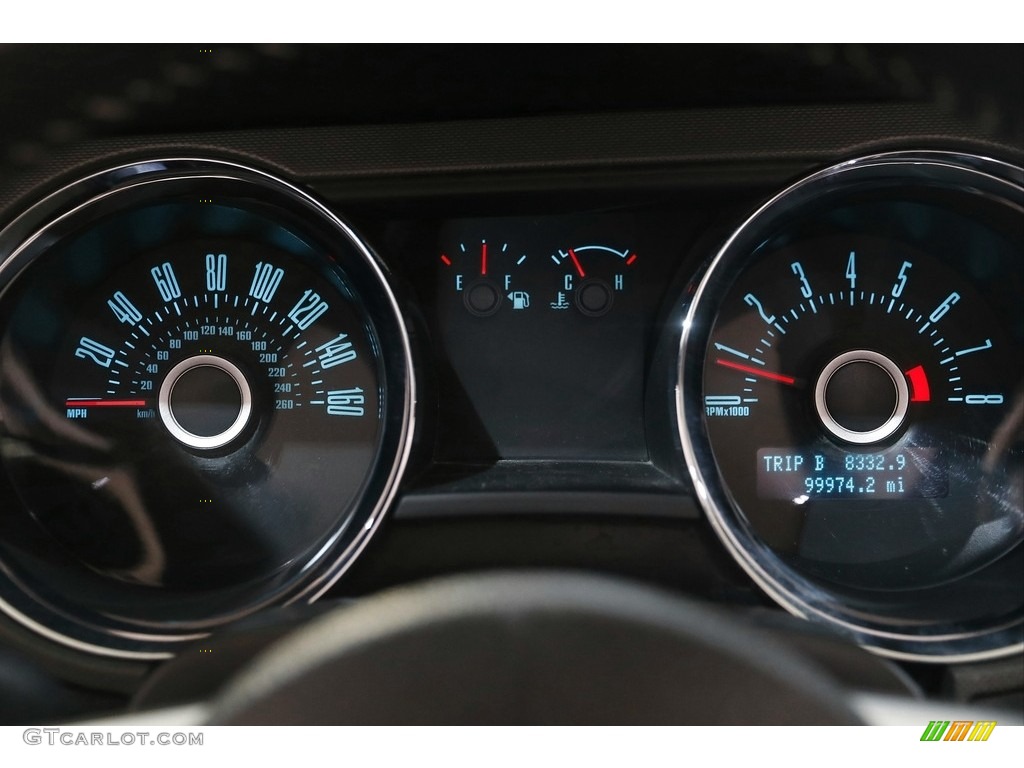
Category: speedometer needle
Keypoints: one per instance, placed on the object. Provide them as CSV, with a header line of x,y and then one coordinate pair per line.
x,y
757,371
91,403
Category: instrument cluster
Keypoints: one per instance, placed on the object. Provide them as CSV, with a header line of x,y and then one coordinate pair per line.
x,y
214,387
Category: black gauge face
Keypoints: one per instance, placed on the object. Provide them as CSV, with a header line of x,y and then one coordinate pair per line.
x,y
197,401
861,394
861,418
578,284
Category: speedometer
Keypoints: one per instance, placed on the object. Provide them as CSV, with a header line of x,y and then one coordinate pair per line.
x,y
205,403
857,350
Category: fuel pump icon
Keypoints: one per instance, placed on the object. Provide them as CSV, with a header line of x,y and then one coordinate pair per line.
x,y
519,299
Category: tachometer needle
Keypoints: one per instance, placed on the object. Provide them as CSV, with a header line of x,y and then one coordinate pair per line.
x,y
483,258
88,403
576,262
757,371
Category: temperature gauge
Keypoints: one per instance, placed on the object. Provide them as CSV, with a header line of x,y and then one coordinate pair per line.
x,y
591,277
482,275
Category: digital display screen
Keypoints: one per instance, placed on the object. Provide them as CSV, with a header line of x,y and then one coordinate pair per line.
x,y
901,473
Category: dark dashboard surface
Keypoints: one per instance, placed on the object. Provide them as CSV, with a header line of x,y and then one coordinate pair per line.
x,y
543,219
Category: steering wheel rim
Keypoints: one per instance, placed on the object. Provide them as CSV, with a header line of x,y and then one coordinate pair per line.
x,y
529,648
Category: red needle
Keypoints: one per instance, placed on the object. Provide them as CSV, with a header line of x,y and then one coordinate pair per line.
x,y
483,258
757,371
572,255
105,404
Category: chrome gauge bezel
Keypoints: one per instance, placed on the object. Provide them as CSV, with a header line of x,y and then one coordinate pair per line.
x,y
32,232
796,592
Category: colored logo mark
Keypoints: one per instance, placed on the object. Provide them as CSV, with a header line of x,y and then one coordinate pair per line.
x,y
958,730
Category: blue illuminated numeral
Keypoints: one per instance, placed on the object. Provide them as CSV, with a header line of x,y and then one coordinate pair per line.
x,y
307,310
166,282
123,309
901,280
722,400
265,282
851,270
216,271
345,402
979,348
335,352
805,287
88,349
753,302
943,308
983,399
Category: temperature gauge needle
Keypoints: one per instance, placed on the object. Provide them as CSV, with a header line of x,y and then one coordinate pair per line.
x,y
576,262
757,371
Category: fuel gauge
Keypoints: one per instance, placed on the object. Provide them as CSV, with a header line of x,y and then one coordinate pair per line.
x,y
592,276
482,275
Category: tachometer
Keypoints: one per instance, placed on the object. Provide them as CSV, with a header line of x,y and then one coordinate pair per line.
x,y
852,393
205,403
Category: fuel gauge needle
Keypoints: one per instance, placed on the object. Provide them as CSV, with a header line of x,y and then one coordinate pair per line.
x,y
782,378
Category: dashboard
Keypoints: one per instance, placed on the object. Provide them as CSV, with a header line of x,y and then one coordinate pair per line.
x,y
749,337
